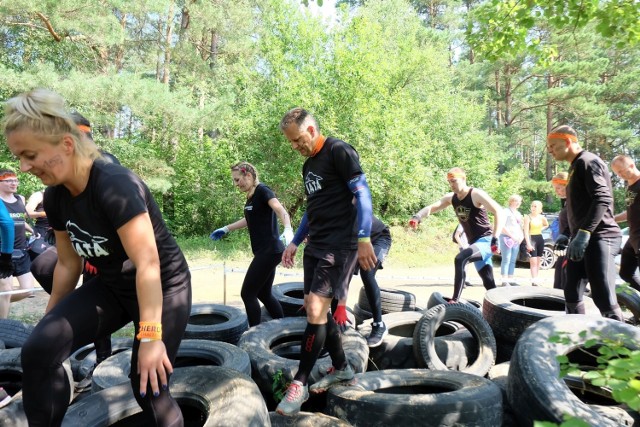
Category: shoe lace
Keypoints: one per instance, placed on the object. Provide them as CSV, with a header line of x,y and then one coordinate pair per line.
x,y
331,370
294,391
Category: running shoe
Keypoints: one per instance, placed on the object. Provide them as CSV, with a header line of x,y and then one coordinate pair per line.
x,y
4,398
334,376
378,332
296,395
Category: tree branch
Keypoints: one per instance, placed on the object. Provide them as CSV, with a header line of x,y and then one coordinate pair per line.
x,y
47,24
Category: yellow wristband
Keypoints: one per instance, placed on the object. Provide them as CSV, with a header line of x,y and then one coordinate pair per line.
x,y
149,331
364,239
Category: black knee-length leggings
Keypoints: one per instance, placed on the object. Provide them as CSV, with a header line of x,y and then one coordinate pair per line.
x,y
94,311
257,285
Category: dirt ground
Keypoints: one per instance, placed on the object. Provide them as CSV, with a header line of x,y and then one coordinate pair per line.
x,y
219,282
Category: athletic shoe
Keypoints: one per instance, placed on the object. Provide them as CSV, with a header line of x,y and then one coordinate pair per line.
x,y
506,284
334,376
296,395
378,332
4,398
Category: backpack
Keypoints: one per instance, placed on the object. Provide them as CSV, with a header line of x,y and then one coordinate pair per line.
x,y
555,229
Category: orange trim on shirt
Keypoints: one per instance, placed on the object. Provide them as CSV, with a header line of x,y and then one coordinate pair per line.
x,y
319,145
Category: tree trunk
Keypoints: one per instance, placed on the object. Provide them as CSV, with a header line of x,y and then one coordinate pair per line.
x,y
167,45
498,98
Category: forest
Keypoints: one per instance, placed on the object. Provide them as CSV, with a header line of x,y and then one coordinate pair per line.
x,y
180,90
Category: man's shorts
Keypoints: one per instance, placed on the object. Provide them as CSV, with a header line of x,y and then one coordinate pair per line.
x,y
327,272
21,264
484,246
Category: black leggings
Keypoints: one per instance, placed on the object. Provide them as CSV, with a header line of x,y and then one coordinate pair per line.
x,y
92,311
257,285
629,266
470,254
42,269
599,268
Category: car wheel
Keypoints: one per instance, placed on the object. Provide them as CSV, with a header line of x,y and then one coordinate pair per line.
x,y
548,258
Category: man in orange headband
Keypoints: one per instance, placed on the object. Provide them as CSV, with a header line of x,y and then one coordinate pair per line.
x,y
470,205
626,169
559,183
592,236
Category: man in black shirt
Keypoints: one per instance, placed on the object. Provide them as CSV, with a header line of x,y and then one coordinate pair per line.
x,y
626,169
593,237
338,233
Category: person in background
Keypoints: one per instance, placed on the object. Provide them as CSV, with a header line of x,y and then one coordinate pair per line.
x,y
261,212
559,183
592,237
35,210
21,260
626,169
7,231
104,213
510,238
534,223
339,235
471,206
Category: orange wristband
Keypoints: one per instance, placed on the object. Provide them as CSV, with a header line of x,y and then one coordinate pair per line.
x,y
149,331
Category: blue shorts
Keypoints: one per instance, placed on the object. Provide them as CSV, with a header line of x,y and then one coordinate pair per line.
x,y
484,246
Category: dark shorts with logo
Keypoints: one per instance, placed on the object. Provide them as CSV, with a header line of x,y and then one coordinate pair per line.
x,y
328,272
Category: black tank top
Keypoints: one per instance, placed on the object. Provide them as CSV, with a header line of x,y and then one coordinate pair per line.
x,y
474,221
18,213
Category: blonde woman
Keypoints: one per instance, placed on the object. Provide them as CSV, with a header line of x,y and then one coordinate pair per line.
x,y
104,213
510,239
534,223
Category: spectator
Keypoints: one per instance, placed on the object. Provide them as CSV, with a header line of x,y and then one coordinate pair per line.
x,y
510,239
534,223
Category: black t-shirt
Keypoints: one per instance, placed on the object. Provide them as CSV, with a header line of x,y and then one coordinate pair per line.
x,y
262,222
114,195
379,230
474,220
590,197
632,201
331,209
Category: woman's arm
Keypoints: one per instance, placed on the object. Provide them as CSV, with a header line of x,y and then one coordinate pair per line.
x,y
280,211
525,228
67,270
34,200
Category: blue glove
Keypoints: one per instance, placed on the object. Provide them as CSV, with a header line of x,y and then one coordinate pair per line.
x,y
578,245
560,248
217,234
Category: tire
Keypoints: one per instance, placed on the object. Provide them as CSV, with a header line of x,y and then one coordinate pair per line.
x,y
437,298
391,300
216,322
116,369
629,301
548,258
306,419
291,298
88,362
534,386
261,340
471,319
360,314
417,397
511,310
14,333
211,395
13,414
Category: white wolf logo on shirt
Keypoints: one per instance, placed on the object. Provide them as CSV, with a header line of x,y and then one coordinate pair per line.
x,y
85,245
312,183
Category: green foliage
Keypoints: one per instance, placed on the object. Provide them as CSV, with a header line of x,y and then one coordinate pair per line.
x,y
279,386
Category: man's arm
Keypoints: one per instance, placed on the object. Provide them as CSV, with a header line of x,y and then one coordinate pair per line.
x,y
480,197
432,208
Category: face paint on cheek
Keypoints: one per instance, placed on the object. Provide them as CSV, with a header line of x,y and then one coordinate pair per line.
x,y
54,161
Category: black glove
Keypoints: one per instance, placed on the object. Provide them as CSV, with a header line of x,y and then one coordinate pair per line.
x,y
494,245
6,266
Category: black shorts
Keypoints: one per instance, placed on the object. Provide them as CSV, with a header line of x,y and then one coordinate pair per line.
x,y
328,272
21,264
537,241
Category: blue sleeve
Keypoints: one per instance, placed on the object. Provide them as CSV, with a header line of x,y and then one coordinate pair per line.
x,y
360,189
302,231
7,230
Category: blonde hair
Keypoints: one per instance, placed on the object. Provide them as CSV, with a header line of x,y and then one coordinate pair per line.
x,y
246,168
537,203
43,112
515,198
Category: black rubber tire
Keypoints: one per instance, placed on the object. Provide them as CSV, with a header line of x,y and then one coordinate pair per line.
x,y
467,316
360,314
86,364
115,370
207,395
14,333
306,419
417,397
437,298
629,300
291,298
261,340
13,414
2,346
216,322
391,300
534,386
512,309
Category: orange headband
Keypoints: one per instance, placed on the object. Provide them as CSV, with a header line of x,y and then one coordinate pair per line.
x,y
7,175
84,128
454,175
565,136
559,181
